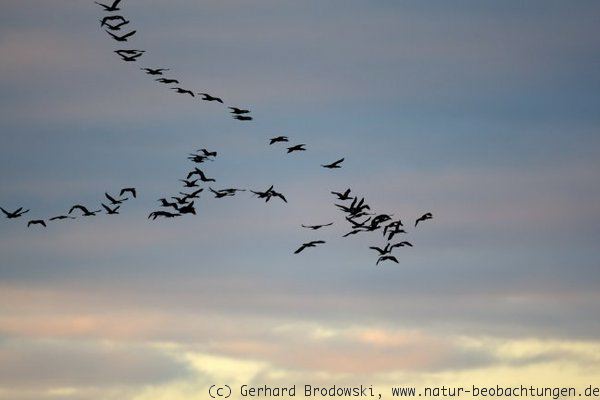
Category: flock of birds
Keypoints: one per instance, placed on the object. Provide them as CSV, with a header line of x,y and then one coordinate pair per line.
x,y
114,26
112,208
357,213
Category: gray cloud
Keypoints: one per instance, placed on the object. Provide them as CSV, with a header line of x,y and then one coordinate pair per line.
x,y
49,363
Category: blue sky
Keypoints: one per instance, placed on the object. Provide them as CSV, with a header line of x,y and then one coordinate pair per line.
x,y
484,113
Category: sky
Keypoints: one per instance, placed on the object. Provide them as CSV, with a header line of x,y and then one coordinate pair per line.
x,y
483,113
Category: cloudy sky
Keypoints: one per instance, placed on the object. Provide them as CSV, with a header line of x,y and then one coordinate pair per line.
x,y
484,113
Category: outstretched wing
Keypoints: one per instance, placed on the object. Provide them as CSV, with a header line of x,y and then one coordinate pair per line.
x,y
301,248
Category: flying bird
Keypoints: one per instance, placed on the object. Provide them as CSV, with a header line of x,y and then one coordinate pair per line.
x,y
208,97
112,200
165,203
387,258
277,194
189,184
167,81
180,200
268,194
314,243
208,153
155,71
392,225
111,211
130,55
316,227
238,111
121,38
424,217
298,147
380,218
112,7
343,196
193,195
382,252
183,91
84,210
278,139
199,158
164,214
200,173
36,222
113,27
335,164
61,217
128,190
187,209
402,244
393,229
232,190
220,194
242,118
15,214
129,51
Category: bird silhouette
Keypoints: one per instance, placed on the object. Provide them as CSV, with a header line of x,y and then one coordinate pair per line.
x,y
384,251
232,190
298,147
356,208
220,194
200,173
189,184
343,196
128,190
111,211
15,214
392,225
353,232
165,203
187,209
84,210
183,91
164,214
167,81
36,222
394,231
316,227
112,200
333,165
380,219
276,194
193,195
112,7
121,38
242,118
263,195
208,153
356,224
113,27
181,201
130,55
314,243
61,217
238,111
208,97
278,139
155,71
199,158
402,244
386,258
424,217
